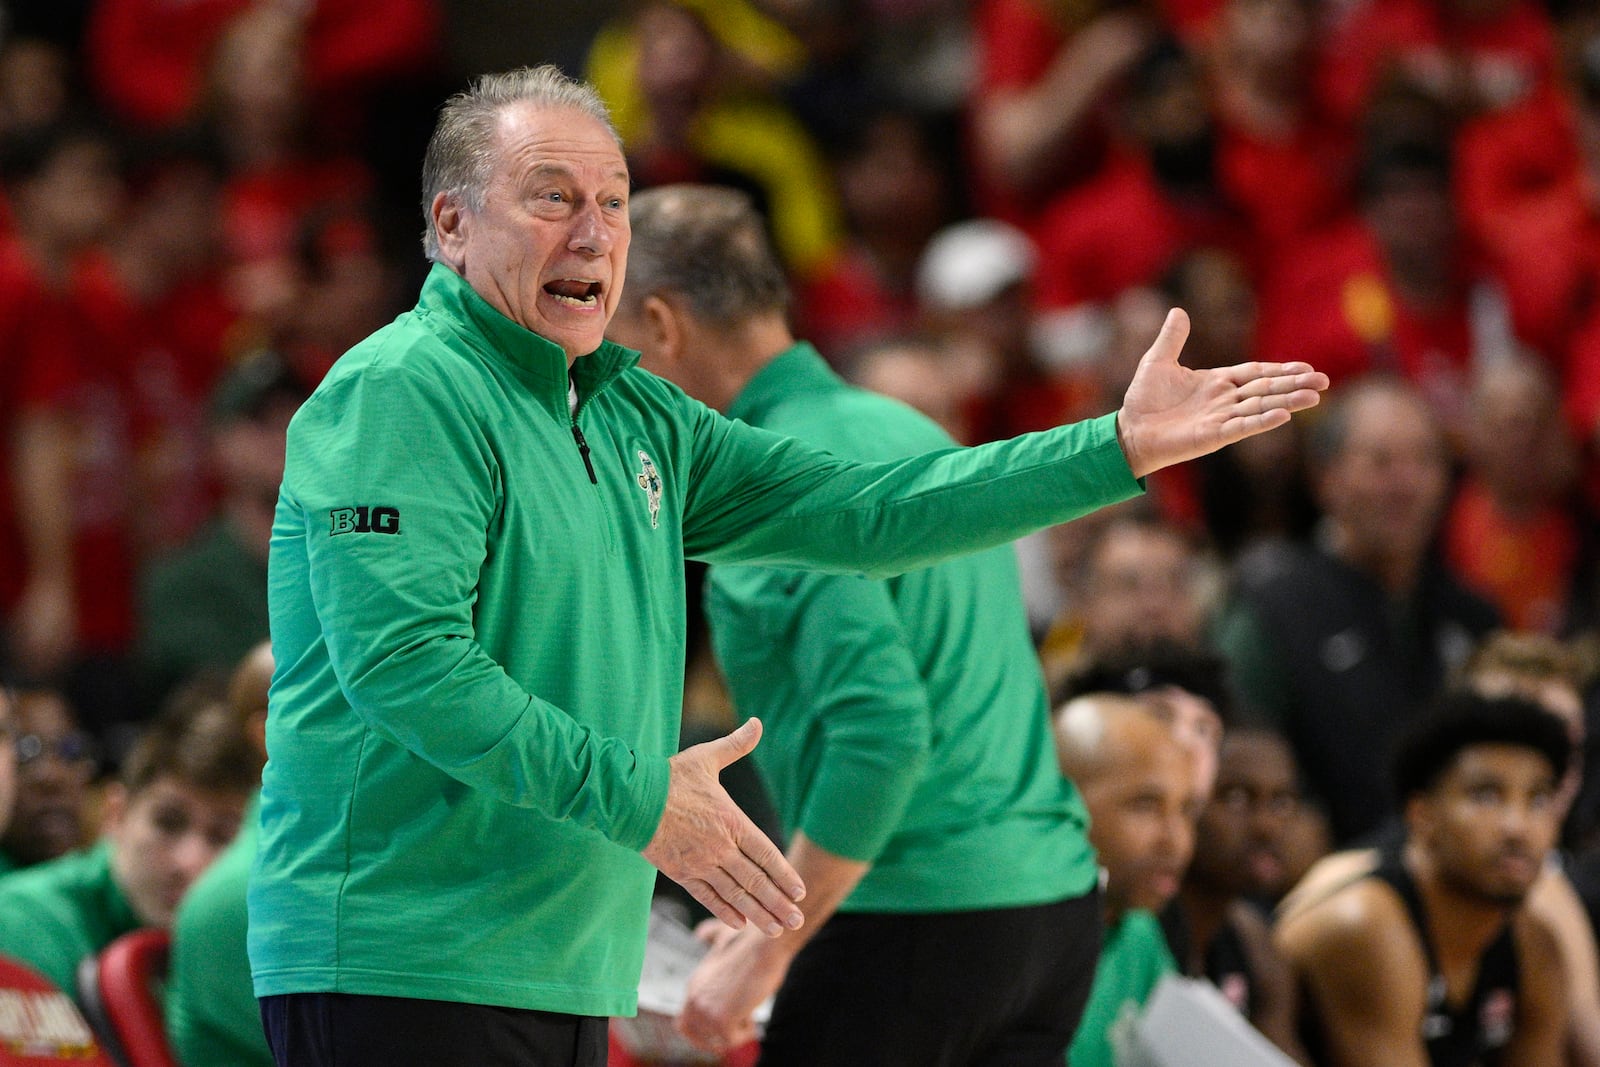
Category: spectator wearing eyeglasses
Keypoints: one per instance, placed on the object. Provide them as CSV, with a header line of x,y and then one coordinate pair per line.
x,y
55,762
176,804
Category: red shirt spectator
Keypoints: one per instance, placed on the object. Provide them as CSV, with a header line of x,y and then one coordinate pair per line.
x,y
1485,60
1529,191
849,304
165,355
35,374
1121,230
1513,532
1523,564
1286,188
149,58
1334,304
1046,83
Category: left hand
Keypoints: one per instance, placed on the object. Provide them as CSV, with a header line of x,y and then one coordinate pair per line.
x,y
1171,413
741,971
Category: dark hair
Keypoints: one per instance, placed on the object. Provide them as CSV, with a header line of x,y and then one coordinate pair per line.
x,y
1164,59
1405,158
149,158
707,244
1141,667
198,740
253,385
1461,719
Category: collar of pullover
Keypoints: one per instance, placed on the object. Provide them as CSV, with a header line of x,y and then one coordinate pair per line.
x,y
797,371
542,362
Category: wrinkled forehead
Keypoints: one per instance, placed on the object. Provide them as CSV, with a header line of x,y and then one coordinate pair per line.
x,y
529,137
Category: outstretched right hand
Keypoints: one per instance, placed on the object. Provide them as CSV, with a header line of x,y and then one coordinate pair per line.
x,y
712,849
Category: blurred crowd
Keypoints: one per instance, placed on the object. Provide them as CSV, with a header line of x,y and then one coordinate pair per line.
x,y
985,208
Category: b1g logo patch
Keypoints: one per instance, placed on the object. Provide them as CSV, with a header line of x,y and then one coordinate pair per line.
x,y
380,520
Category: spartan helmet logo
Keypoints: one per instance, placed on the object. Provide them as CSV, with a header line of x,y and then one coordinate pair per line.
x,y
650,482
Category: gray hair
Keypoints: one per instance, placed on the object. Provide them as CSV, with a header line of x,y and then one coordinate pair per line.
x,y
707,244
462,151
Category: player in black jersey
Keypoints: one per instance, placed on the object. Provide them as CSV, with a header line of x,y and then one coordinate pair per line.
x,y
1431,960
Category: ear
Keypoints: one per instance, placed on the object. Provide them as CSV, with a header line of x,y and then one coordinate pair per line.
x,y
256,728
665,328
1419,817
450,223
113,808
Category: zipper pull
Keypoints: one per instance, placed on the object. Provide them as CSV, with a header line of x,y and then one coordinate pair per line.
x,y
583,450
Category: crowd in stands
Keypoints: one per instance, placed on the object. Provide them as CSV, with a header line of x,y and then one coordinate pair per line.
x,y
985,208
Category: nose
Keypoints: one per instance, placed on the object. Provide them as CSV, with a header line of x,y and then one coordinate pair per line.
x,y
1177,838
590,234
193,854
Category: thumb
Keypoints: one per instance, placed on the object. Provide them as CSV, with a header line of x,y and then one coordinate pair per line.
x,y
737,745
1168,344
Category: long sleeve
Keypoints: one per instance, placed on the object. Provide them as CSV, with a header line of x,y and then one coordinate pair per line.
x,y
395,604
756,497
859,695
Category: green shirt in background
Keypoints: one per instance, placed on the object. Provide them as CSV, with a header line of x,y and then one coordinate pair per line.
x,y
203,606
905,721
477,606
1132,961
54,914
213,1019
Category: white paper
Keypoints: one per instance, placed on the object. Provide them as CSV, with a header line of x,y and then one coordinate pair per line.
x,y
1188,1023
671,954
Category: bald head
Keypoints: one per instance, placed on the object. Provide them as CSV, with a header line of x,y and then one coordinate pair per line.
x,y
1138,782
1092,730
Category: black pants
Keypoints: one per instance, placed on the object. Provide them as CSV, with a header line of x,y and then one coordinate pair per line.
x,y
1000,988
346,1030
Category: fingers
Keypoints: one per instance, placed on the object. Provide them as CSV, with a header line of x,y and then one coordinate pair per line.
x,y
714,902
735,746
712,1032
758,847
754,893
740,890
1256,378
1242,426
746,903
1168,344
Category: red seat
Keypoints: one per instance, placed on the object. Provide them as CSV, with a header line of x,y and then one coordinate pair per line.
x,y
119,990
655,1032
39,1024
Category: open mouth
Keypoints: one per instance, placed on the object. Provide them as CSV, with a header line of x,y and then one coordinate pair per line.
x,y
575,292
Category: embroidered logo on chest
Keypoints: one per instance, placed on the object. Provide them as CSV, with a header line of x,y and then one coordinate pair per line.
x,y
650,482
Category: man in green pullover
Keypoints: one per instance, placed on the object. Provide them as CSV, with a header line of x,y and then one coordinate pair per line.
x,y
477,607
907,741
